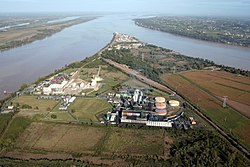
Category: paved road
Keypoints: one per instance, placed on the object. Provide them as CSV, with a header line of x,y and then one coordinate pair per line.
x,y
150,82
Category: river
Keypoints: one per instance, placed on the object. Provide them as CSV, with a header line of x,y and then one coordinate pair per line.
x,y
27,63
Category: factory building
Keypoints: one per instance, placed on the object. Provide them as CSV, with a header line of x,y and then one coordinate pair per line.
x,y
135,107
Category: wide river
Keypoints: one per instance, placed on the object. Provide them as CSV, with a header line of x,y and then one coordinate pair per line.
x,y
27,63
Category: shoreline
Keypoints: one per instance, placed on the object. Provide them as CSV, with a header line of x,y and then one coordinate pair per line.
x,y
32,34
212,42
12,94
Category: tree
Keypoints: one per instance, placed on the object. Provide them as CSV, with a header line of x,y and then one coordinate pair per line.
x,y
23,86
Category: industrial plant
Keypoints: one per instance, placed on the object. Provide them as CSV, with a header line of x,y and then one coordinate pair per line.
x,y
134,106
64,84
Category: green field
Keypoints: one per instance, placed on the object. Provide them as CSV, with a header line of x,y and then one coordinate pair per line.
x,y
135,141
4,120
18,125
86,108
96,139
65,138
228,119
41,105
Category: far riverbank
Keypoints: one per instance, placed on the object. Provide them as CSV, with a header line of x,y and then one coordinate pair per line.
x,y
18,37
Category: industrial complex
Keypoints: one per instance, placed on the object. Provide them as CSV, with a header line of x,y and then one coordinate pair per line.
x,y
134,106
63,84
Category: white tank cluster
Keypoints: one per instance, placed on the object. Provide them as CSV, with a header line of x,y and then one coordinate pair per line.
x,y
174,103
160,106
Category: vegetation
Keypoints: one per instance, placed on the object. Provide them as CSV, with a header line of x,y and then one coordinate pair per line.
x,y
156,60
134,141
37,30
86,109
219,84
228,119
65,138
4,121
145,146
204,148
11,162
18,125
223,30
32,102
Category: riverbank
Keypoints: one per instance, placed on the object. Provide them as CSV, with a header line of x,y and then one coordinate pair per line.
x,y
217,30
18,37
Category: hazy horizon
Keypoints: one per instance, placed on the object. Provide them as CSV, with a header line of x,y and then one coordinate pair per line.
x,y
168,7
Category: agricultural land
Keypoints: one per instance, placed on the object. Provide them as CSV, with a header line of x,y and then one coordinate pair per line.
x,y
227,118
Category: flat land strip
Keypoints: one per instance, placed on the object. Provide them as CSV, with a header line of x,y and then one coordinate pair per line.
x,y
38,106
92,139
131,141
87,108
65,138
18,37
229,120
219,83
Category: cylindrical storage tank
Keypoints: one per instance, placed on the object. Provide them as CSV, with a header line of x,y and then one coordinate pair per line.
x,y
124,113
173,103
161,111
160,105
160,100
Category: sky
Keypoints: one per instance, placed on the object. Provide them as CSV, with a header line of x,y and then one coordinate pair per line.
x,y
170,7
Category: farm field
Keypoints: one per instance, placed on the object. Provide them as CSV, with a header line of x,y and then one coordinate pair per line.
x,y
219,83
4,120
38,106
230,120
65,138
131,141
17,126
86,108
91,139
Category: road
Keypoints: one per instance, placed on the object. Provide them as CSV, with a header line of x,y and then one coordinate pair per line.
x,y
152,83
139,76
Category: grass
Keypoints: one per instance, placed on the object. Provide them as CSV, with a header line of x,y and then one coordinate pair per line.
x,y
41,104
90,139
42,162
18,125
221,84
228,119
135,141
62,116
65,138
4,120
86,108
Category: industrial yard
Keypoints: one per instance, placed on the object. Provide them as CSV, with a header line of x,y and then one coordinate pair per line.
x,y
135,106
63,84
